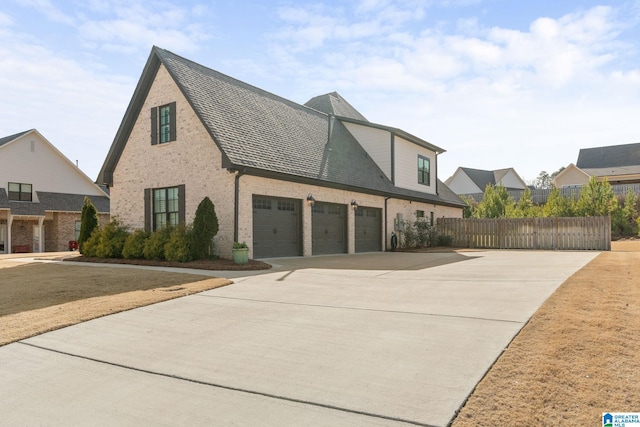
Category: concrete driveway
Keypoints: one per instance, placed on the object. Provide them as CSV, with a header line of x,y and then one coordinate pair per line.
x,y
368,339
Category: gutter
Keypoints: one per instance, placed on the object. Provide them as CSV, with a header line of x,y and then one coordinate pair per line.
x,y
236,202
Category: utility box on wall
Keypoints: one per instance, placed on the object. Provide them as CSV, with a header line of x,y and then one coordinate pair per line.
x,y
398,223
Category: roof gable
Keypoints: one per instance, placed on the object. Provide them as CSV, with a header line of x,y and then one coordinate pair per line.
x,y
334,104
259,132
609,157
29,157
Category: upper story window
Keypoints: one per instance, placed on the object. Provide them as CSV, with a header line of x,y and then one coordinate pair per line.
x,y
20,192
163,124
424,170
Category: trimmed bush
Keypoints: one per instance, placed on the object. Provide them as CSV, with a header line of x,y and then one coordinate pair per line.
x,y
154,246
134,245
177,248
90,246
111,241
205,227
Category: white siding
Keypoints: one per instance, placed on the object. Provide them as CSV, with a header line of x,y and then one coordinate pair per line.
x,y
376,142
460,183
33,160
406,158
511,180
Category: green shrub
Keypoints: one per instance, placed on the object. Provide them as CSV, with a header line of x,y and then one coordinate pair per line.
x,y
90,246
88,223
111,240
154,245
205,227
443,240
134,245
177,247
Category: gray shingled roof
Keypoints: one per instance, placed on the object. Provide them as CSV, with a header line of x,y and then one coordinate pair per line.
x,y
263,134
609,157
12,137
55,202
333,103
481,178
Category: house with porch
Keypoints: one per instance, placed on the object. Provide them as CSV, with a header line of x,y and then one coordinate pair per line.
x,y
620,164
287,179
41,195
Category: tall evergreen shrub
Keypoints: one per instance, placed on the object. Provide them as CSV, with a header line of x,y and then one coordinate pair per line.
x,y
204,228
88,222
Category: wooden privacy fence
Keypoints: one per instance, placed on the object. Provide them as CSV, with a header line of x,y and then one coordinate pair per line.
x,y
581,233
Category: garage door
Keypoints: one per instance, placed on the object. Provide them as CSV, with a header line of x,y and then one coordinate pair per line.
x,y
276,227
368,229
329,222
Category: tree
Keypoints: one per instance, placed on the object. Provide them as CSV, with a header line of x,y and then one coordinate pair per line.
x,y
543,181
524,208
88,222
494,203
596,199
557,205
205,227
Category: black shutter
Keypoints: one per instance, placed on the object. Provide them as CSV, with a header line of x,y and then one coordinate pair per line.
x,y
172,120
181,205
154,126
148,204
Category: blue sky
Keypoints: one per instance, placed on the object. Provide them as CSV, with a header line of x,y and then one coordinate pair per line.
x,y
497,83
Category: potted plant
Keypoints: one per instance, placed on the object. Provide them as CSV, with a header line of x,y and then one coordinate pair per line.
x,y
240,253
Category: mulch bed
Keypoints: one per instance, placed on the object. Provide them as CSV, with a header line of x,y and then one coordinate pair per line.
x,y
216,264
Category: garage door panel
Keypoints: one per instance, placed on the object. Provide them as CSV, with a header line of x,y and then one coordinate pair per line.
x,y
276,227
329,228
368,227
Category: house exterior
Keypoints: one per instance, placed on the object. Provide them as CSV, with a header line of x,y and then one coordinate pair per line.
x,y
620,164
41,195
288,179
474,181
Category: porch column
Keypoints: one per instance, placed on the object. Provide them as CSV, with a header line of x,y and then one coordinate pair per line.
x,y
41,234
9,223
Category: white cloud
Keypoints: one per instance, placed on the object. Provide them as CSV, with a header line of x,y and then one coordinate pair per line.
x,y
49,10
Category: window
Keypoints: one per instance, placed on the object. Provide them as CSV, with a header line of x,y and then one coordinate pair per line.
x,y
419,214
424,169
163,124
77,231
20,192
431,218
164,207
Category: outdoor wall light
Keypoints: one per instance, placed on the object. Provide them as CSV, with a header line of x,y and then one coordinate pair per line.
x,y
310,200
354,205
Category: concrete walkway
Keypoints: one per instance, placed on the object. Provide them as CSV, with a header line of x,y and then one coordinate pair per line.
x,y
357,340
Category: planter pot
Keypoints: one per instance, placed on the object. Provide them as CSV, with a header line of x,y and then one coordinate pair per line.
x,y
241,256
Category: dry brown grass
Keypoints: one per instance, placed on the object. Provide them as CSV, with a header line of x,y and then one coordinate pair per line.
x,y
576,358
36,298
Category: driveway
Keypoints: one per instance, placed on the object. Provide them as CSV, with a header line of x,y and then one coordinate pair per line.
x,y
368,339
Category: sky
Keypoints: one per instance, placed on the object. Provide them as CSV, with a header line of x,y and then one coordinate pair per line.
x,y
496,83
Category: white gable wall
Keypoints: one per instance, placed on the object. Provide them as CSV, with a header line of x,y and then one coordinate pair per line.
x,y
406,166
32,160
512,180
571,176
460,183
376,142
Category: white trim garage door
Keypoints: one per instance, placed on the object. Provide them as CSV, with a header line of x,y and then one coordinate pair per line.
x,y
329,228
276,227
368,229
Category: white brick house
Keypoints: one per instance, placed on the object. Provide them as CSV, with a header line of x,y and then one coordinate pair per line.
x,y
286,178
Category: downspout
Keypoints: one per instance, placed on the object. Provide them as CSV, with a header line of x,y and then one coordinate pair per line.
x,y
236,204
385,223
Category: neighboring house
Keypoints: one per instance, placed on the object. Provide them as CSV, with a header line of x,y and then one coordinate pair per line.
x,y
41,195
288,179
474,181
620,164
